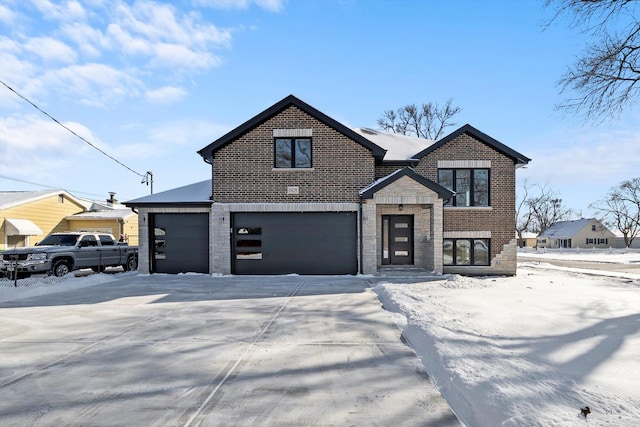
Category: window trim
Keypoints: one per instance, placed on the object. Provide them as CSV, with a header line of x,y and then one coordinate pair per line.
x,y
472,241
292,147
452,202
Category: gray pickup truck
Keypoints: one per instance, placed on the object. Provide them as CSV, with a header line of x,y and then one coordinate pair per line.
x,y
60,253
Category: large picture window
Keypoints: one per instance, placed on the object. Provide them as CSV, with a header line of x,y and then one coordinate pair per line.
x,y
292,153
466,252
470,185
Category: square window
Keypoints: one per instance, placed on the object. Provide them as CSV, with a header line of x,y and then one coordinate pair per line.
x,y
292,153
470,185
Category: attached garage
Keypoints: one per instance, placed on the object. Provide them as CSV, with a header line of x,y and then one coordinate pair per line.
x,y
179,242
302,243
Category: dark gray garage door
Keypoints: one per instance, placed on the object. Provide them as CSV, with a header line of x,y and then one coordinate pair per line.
x,y
303,243
180,243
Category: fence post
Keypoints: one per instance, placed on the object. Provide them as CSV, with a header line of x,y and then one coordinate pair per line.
x,y
15,271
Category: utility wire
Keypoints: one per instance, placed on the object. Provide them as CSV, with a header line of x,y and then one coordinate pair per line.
x,y
144,176
50,187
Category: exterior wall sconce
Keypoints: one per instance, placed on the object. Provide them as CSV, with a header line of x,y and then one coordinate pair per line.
x,y
400,207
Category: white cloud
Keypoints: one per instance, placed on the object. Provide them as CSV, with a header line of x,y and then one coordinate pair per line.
x,y
6,15
270,5
165,95
94,83
90,41
51,50
69,10
168,55
583,170
34,147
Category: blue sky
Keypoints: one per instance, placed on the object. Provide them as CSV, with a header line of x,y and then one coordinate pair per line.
x,y
152,82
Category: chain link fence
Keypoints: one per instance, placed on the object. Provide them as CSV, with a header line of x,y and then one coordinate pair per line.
x,y
9,280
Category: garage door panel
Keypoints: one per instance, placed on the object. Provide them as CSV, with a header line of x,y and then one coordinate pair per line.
x,y
181,242
303,243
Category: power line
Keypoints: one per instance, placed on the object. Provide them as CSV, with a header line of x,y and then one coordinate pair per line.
x,y
48,186
144,176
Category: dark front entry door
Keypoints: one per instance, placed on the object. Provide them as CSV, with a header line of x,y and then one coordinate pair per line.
x,y
397,239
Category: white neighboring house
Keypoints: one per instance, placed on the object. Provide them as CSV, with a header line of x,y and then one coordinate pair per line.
x,y
619,241
579,233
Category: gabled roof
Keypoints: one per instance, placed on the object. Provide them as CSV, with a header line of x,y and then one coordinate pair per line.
x,y
566,229
207,152
482,137
10,199
192,194
371,189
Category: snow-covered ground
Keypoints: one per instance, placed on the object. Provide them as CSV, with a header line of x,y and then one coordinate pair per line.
x,y
527,350
618,256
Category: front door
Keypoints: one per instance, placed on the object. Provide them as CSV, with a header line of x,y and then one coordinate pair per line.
x,y
397,239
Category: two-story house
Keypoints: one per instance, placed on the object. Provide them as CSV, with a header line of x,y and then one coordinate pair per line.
x,y
294,191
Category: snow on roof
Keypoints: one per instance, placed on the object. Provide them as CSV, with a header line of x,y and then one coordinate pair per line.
x,y
103,214
200,192
10,199
399,147
566,229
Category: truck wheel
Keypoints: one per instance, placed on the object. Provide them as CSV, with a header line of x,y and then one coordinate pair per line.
x,y
132,264
60,268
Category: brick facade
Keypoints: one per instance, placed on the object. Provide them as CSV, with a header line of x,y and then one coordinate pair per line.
x,y
243,171
499,218
348,174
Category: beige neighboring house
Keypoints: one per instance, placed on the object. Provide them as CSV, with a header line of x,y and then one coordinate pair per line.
x,y
579,233
528,240
26,217
121,222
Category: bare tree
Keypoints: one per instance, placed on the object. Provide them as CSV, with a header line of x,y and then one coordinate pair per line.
x,y
605,79
524,215
427,121
620,209
546,208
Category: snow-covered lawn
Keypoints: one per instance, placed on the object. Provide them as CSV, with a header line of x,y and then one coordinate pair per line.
x,y
618,256
530,350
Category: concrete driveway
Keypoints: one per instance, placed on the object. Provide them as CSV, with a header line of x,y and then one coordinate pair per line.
x,y
195,350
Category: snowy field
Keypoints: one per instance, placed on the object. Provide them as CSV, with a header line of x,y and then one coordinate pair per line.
x,y
513,351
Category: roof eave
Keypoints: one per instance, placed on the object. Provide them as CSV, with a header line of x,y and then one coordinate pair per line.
x,y
517,157
207,152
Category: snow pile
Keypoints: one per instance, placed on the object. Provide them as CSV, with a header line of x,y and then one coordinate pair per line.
x,y
527,350
48,284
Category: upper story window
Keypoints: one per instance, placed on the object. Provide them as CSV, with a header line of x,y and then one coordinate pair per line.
x,y
470,185
292,153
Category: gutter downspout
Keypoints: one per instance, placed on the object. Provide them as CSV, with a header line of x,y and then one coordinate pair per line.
x,y
360,222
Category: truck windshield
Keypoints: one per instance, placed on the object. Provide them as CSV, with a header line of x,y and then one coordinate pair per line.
x,y
59,240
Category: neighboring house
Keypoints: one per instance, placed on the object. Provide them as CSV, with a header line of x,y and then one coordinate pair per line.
x,y
294,191
528,240
619,241
579,233
26,217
